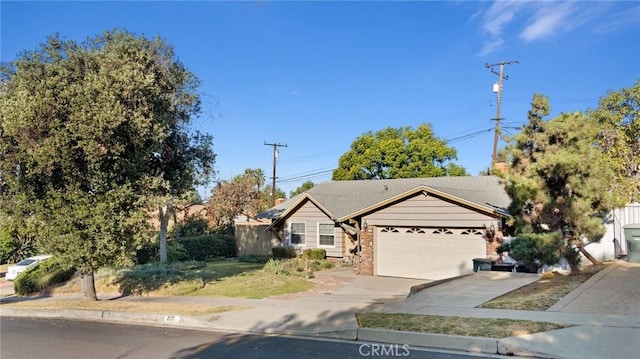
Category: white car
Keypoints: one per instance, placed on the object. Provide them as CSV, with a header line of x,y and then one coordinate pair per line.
x,y
25,264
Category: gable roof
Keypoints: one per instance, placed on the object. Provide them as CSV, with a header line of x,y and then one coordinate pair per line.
x,y
342,200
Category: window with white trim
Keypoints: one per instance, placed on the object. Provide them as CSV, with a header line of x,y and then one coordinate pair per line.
x,y
326,235
298,233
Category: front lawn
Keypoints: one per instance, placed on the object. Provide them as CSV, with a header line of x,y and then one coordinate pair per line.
x,y
225,278
474,327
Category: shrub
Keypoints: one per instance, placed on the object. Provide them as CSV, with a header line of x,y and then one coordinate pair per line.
x,y
190,227
148,253
176,252
275,266
314,253
532,250
200,248
326,264
283,252
149,277
41,276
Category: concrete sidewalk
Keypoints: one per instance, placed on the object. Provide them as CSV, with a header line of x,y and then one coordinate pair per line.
x,y
605,311
612,333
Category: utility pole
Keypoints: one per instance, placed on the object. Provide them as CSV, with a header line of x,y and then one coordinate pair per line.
x,y
501,76
275,156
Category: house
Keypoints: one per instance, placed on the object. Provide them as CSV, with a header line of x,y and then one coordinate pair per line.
x,y
426,228
613,244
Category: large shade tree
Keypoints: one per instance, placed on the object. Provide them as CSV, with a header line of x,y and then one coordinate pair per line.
x,y
398,153
89,133
618,137
558,180
305,186
242,195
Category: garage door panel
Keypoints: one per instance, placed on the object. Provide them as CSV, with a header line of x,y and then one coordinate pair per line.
x,y
426,255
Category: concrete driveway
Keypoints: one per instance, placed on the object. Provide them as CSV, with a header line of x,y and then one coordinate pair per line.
x,y
464,292
614,290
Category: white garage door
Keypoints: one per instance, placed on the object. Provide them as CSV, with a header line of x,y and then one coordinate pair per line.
x,y
427,253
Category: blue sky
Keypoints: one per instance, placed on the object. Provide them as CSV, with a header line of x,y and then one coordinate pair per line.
x,y
316,75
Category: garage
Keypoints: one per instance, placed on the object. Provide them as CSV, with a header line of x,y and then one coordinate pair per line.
x,y
426,253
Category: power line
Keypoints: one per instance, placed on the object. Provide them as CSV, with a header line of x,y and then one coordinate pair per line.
x,y
301,177
321,171
467,136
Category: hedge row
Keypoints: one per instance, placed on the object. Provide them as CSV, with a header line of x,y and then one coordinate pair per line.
x,y
37,278
197,248
290,252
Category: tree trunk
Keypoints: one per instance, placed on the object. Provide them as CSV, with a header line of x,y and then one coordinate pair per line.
x,y
164,223
87,285
591,258
575,268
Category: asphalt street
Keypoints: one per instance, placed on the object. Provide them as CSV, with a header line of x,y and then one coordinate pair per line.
x,y
24,338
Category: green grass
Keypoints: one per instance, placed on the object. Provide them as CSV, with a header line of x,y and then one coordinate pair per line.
x,y
475,327
255,286
226,278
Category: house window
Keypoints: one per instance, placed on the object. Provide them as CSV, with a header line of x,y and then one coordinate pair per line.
x,y
472,231
297,233
326,234
442,231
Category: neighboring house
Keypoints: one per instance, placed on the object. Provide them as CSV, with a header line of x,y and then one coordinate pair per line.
x,y
613,244
427,228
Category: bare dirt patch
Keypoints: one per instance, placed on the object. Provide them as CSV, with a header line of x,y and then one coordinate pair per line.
x,y
324,282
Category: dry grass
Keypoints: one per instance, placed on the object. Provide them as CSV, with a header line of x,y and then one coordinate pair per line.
x,y
125,306
543,293
474,327
216,279
539,295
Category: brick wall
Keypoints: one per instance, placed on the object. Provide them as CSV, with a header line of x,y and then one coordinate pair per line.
x,y
366,254
493,244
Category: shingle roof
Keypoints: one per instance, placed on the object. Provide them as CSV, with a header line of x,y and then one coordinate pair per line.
x,y
343,198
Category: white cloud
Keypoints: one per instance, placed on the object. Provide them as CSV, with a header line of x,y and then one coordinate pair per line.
x,y
536,20
621,19
550,19
495,19
490,46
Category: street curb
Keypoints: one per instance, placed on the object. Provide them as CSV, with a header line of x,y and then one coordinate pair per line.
x,y
426,340
430,340
178,321
107,316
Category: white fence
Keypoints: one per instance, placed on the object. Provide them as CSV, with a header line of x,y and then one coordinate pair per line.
x,y
613,244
